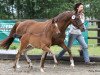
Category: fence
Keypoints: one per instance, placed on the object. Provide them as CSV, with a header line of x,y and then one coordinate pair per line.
x,y
5,28
7,54
95,29
6,25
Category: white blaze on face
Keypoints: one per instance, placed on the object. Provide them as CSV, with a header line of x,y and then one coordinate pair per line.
x,y
56,25
58,31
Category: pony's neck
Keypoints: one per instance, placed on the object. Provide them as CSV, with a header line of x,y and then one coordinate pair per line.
x,y
48,32
63,26
63,20
49,35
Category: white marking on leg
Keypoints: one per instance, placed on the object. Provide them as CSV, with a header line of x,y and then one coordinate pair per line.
x,y
41,69
72,63
54,66
17,65
56,24
30,64
42,57
28,60
55,60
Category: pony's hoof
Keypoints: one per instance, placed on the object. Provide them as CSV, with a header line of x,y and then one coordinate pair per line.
x,y
54,66
17,66
42,70
30,66
72,65
14,68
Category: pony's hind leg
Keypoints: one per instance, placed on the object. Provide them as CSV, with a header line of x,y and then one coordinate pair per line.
x,y
23,47
16,65
46,49
26,56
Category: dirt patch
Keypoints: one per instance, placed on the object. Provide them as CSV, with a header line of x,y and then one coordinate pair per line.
x,y
63,68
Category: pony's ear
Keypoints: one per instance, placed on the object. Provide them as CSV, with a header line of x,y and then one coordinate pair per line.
x,y
54,20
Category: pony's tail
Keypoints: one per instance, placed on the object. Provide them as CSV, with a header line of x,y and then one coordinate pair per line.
x,y
8,41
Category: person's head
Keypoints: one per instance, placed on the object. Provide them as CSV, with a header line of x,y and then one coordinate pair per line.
x,y
78,8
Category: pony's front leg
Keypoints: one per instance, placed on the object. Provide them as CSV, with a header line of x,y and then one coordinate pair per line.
x,y
70,54
54,57
27,58
42,61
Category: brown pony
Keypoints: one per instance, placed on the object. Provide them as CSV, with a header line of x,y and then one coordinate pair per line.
x,y
41,40
63,20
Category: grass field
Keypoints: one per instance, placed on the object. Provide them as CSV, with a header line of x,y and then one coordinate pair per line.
x,y
93,49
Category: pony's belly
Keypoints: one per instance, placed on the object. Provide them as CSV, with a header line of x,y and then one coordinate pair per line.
x,y
35,42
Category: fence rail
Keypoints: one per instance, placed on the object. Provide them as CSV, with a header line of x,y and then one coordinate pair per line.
x,y
95,29
93,37
8,27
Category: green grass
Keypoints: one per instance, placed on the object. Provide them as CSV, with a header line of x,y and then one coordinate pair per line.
x,y
92,34
93,50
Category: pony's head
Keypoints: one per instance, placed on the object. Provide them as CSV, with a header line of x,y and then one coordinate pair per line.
x,y
51,27
55,27
76,21
69,17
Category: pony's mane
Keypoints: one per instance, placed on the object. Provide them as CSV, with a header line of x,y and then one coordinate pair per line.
x,y
62,15
48,25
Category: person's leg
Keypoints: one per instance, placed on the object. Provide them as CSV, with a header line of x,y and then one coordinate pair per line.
x,y
84,46
70,42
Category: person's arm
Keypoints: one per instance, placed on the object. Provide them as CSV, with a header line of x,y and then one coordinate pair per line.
x,y
83,20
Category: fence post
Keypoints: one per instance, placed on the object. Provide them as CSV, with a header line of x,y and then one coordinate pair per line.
x,y
98,41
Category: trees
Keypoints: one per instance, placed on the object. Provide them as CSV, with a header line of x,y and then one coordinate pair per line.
x,y
33,8
95,8
29,9
5,12
92,8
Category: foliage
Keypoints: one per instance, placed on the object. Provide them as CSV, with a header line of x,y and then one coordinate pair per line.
x,y
4,10
30,9
92,8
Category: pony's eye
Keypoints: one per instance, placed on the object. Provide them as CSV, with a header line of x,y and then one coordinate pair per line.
x,y
73,17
